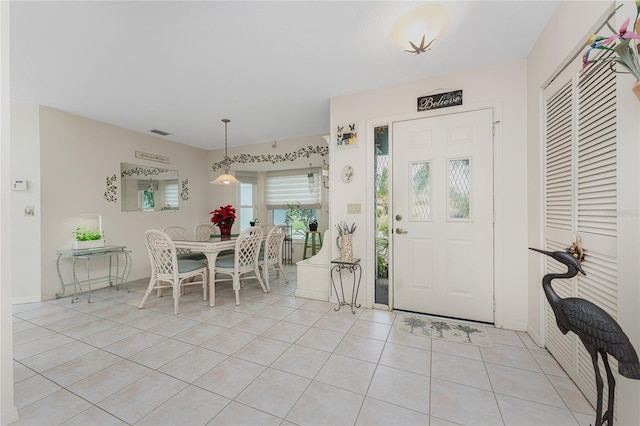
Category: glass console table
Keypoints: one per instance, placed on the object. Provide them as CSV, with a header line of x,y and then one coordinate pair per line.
x,y
120,277
352,265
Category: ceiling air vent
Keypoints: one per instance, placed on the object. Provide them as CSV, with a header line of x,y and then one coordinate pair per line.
x,y
159,132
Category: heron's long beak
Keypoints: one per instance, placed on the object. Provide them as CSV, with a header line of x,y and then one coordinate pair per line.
x,y
548,253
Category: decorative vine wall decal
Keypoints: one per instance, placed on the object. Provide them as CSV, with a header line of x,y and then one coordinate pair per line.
x,y
144,171
110,193
184,194
305,152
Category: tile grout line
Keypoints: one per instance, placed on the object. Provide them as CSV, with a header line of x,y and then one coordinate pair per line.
x,y
345,336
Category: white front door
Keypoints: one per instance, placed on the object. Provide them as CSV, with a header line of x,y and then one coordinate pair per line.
x,y
443,215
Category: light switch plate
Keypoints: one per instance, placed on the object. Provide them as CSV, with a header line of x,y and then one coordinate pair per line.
x,y
353,208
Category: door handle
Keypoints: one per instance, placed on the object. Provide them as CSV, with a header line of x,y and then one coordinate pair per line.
x,y
401,231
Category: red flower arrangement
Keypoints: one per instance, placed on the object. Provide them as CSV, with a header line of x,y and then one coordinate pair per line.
x,y
224,218
224,215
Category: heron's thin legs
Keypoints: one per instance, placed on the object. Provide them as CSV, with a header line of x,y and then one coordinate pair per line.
x,y
599,385
611,384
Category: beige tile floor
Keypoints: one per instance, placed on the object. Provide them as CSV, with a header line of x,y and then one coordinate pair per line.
x,y
273,360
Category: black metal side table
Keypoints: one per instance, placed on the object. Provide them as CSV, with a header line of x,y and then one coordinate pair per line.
x,y
287,246
353,266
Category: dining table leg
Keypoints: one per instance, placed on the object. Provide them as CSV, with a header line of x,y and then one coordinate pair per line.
x,y
211,262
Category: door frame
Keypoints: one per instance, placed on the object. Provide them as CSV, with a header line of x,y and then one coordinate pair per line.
x,y
498,226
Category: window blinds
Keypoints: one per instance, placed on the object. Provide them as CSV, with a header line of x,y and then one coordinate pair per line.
x,y
247,177
170,194
284,188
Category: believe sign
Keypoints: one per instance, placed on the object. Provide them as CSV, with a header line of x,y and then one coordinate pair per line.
x,y
440,100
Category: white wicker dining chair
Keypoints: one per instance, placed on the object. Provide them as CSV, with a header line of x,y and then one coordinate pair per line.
x,y
177,232
267,228
204,231
167,269
243,260
272,253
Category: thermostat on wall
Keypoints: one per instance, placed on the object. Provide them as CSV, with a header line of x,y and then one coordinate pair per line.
x,y
19,185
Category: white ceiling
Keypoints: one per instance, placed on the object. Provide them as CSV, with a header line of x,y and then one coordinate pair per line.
x,y
270,67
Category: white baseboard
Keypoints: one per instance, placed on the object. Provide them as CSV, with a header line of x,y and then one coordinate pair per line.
x,y
515,326
310,294
11,416
69,291
23,300
535,336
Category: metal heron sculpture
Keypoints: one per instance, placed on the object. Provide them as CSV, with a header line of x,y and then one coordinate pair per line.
x,y
597,330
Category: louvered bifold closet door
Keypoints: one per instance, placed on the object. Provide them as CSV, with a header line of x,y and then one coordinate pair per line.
x,y
559,133
597,153
580,198
597,204
558,156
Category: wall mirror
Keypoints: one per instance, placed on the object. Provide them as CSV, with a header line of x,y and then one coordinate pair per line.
x,y
148,188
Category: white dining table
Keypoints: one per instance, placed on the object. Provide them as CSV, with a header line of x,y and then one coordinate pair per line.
x,y
210,249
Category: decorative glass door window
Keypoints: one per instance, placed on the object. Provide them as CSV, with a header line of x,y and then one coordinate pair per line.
x,y
381,167
459,189
420,194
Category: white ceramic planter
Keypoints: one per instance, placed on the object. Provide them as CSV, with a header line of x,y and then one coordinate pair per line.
x,y
78,245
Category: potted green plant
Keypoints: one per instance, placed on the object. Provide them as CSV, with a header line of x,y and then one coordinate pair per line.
x,y
299,218
313,224
87,238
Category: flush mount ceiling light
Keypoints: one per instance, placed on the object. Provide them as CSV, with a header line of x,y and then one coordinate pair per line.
x,y
226,178
416,31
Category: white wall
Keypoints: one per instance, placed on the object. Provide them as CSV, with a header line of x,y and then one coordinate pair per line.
x,y
25,164
501,87
8,410
563,38
76,156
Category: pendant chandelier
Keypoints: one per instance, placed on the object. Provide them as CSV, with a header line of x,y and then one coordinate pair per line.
x,y
310,177
225,178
